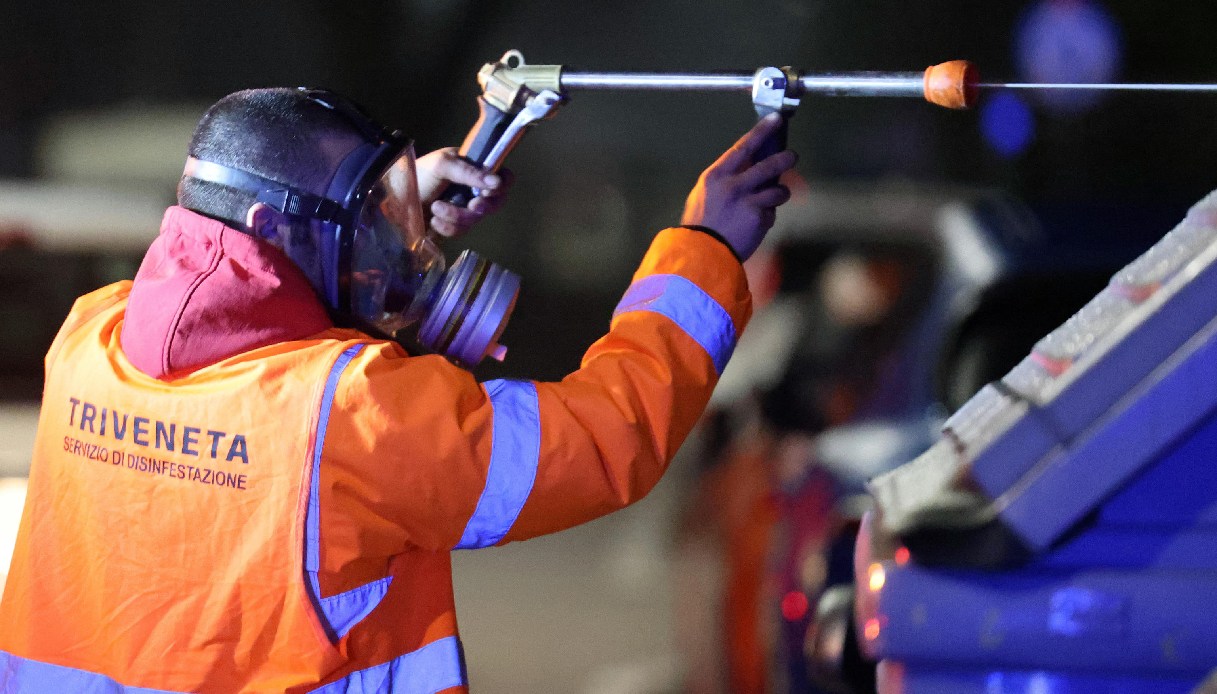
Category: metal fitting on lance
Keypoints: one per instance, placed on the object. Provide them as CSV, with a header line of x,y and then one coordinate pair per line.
x,y
776,90
506,84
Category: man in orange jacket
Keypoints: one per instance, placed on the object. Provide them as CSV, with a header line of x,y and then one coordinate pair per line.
x,y
241,483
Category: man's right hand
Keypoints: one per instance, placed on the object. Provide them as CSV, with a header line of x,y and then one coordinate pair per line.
x,y
439,169
737,197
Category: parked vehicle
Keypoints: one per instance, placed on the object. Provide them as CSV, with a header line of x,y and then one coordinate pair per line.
x,y
891,308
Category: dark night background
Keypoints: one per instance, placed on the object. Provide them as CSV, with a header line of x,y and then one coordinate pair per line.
x,y
612,168
1106,177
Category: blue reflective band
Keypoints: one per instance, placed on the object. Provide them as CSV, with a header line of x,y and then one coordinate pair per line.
x,y
24,676
514,454
691,308
437,666
345,610
338,612
312,529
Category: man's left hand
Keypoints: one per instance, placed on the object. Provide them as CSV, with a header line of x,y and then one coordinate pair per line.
x,y
437,170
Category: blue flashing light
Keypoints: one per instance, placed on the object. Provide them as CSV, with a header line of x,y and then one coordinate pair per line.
x,y
1068,41
1007,124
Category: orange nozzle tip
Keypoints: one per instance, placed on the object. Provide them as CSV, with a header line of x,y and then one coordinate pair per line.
x,y
953,84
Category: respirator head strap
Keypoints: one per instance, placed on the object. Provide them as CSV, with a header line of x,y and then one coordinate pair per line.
x,y
280,196
300,204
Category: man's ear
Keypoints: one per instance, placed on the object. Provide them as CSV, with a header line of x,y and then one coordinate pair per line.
x,y
262,221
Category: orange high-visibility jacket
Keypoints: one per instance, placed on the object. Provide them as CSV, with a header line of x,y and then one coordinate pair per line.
x,y
172,541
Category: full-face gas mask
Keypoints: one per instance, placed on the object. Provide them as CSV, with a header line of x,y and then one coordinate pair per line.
x,y
366,249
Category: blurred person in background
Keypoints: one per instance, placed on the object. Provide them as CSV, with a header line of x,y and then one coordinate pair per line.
x,y
242,482
834,326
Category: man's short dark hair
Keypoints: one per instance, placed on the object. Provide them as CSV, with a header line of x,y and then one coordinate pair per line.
x,y
274,133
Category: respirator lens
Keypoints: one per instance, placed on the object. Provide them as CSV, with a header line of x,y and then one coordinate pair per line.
x,y
396,196
395,266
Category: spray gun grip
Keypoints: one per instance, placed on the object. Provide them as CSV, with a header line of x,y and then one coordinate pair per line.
x,y
514,97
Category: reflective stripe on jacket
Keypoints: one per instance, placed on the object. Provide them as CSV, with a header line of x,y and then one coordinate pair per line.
x,y
173,537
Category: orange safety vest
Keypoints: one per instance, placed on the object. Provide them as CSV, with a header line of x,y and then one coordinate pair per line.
x,y
173,534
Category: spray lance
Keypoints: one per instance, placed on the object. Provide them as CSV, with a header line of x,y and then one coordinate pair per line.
x,y
516,96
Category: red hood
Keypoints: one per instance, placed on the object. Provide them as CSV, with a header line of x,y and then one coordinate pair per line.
x,y
206,292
